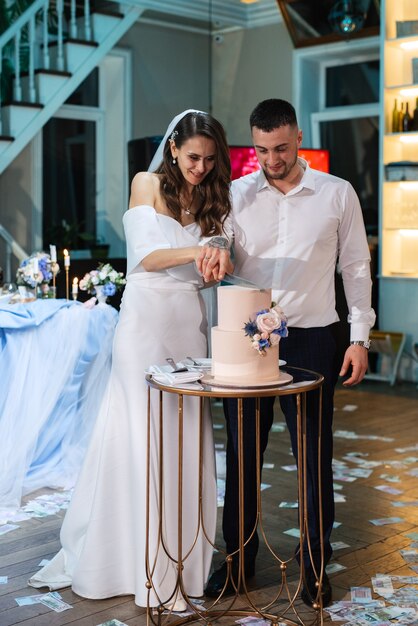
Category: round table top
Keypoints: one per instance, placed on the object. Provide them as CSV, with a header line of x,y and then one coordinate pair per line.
x,y
300,381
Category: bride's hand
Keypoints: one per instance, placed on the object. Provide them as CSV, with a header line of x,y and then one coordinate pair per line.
x,y
214,263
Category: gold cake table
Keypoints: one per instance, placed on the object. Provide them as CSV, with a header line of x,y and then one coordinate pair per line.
x,y
284,607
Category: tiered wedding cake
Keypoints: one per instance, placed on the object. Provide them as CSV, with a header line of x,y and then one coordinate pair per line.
x,y
245,344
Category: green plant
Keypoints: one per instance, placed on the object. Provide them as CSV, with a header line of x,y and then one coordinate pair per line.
x,y
69,235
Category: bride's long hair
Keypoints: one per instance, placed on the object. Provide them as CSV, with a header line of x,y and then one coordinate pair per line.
x,y
213,192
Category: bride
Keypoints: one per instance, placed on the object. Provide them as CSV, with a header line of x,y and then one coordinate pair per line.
x,y
179,205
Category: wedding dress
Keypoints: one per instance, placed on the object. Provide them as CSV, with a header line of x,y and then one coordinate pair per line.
x,y
104,530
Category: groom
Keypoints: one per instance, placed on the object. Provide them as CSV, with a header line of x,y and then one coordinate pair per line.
x,y
291,224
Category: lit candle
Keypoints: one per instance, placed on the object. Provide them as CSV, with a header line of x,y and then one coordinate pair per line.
x,y
53,253
66,258
74,290
35,265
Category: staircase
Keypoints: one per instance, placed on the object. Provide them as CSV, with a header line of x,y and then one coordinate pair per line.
x,y
51,48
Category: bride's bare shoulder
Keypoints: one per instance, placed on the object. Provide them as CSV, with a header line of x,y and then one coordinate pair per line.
x,y
144,189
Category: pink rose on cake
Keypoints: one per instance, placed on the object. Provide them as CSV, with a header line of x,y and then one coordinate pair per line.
x,y
267,328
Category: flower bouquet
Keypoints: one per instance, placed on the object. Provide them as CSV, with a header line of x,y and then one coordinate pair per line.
x,y
105,280
267,328
37,270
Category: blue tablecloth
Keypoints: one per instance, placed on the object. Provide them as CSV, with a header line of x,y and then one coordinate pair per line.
x,y
55,359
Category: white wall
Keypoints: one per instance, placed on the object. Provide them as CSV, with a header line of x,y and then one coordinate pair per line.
x,y
249,66
20,209
170,74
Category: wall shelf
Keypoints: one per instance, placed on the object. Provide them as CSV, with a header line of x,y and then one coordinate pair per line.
x,y
399,199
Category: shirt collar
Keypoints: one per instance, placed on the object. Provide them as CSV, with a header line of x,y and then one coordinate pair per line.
x,y
307,180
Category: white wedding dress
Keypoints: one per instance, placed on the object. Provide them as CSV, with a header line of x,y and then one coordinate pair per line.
x,y
104,531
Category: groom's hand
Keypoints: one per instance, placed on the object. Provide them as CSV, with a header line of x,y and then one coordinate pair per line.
x,y
214,263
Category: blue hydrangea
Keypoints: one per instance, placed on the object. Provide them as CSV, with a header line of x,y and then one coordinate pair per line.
x,y
263,343
282,331
109,289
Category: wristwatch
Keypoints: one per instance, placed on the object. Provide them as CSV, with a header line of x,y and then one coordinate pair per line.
x,y
365,344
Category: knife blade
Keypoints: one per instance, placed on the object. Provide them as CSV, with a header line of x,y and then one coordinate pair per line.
x,y
233,279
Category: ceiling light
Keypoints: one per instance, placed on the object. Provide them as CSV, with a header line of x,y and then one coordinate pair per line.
x,y
409,92
344,19
410,138
410,45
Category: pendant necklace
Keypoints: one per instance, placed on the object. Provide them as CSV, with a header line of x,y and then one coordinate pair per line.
x,y
187,211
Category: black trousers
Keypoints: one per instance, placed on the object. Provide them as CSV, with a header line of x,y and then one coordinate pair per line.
x,y
314,349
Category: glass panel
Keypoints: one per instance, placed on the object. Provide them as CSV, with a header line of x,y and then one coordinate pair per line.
x,y
353,146
357,83
87,93
69,183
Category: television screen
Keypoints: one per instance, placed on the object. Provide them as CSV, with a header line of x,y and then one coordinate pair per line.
x,y
244,160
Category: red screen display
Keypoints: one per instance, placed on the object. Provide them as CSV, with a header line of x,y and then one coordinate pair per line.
x,y
244,160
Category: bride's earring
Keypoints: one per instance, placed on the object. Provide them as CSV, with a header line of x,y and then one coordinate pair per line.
x,y
174,161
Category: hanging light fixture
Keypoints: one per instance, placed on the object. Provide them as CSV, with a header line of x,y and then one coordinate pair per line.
x,y
345,18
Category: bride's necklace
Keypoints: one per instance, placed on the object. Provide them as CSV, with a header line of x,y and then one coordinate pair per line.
x,y
187,210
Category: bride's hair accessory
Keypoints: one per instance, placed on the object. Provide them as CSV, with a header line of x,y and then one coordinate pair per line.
x,y
158,156
174,135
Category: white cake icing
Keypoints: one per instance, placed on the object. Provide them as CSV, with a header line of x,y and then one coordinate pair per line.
x,y
234,360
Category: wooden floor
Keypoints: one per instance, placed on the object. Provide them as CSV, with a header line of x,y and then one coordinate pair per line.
x,y
372,409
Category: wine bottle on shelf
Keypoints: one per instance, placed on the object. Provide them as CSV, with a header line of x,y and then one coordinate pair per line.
x,y
400,119
415,116
407,120
395,117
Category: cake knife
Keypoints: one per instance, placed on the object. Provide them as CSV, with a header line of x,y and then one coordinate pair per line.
x,y
233,279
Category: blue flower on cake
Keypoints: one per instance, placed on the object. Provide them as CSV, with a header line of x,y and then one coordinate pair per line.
x,y
267,328
105,275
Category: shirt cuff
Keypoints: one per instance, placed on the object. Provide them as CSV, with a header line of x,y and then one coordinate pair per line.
x,y
359,331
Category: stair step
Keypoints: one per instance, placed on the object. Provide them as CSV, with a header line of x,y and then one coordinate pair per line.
x,y
102,23
47,83
17,115
76,51
5,141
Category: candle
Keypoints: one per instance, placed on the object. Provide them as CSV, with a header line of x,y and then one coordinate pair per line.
x,y
53,253
35,265
66,258
74,290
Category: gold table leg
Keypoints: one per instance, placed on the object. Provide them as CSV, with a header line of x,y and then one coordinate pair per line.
x,y
290,614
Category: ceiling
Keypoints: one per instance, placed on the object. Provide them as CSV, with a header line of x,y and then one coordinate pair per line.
x,y
211,15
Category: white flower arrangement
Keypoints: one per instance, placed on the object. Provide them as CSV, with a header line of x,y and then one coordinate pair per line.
x,y
266,329
105,275
36,270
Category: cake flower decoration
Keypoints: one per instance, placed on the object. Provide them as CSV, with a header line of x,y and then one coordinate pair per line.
x,y
267,328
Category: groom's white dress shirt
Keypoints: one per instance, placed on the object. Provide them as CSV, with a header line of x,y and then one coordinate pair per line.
x,y
291,242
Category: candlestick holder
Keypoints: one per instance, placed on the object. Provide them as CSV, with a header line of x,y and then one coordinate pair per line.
x,y
35,277
54,273
67,283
